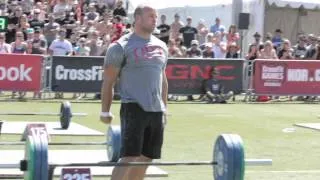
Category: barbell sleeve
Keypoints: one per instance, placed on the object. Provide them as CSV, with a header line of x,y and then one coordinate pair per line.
x,y
57,143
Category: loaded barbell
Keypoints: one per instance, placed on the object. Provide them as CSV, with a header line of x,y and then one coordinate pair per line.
x,y
228,159
65,114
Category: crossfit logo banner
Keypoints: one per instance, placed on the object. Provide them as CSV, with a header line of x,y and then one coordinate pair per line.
x,y
77,74
20,72
287,77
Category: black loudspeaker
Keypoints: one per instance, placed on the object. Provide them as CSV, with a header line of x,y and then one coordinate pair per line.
x,y
244,21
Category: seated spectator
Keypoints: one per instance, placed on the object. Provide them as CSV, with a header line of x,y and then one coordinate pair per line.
x,y
101,7
209,40
194,51
19,46
82,49
5,48
207,52
51,29
233,51
179,44
317,55
268,52
173,50
232,35
36,21
61,7
119,10
311,49
300,49
253,52
95,43
38,45
23,26
286,51
215,90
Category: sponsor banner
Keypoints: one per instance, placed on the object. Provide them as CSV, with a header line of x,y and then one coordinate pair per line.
x,y
187,76
20,72
287,77
76,74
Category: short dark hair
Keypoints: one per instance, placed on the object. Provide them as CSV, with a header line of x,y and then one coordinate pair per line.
x,y
139,10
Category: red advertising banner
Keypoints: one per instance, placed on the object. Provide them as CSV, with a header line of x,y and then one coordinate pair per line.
x,y
286,77
20,72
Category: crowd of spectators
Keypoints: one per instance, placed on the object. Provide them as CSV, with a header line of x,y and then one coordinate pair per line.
x,y
68,27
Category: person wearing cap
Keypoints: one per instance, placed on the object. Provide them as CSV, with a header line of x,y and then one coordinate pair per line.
x,y
217,27
61,46
207,52
188,32
194,51
175,27
257,41
38,44
215,90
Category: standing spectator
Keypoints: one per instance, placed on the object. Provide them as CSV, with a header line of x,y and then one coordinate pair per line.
x,y
232,35
95,44
209,40
39,46
13,22
277,39
194,51
36,22
219,48
218,27
119,10
300,49
61,46
202,31
92,15
257,41
268,52
117,29
164,29
286,52
5,48
51,30
68,23
207,52
61,7
233,51
101,7
311,49
175,27
173,50
188,32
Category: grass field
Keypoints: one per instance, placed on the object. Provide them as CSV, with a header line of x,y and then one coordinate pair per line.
x,y
192,129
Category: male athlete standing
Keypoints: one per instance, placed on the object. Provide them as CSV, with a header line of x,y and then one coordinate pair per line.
x,y
139,60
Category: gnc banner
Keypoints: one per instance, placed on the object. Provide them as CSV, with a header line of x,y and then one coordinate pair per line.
x,y
287,77
20,72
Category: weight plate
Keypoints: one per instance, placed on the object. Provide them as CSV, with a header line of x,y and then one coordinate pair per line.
x,y
114,143
65,114
223,155
37,156
239,162
44,157
29,157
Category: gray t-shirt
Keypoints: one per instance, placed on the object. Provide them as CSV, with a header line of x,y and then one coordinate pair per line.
x,y
142,64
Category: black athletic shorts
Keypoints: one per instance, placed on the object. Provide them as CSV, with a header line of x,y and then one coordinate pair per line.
x,y
141,131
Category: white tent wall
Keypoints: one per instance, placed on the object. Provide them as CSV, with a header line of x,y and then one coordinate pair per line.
x,y
269,15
